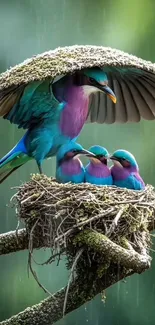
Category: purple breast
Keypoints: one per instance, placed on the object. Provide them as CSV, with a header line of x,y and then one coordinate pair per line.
x,y
99,170
75,112
119,173
72,167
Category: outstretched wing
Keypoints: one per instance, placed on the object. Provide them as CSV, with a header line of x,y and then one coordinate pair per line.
x,y
26,105
134,88
135,92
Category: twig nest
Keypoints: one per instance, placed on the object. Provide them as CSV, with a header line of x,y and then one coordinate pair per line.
x,y
59,211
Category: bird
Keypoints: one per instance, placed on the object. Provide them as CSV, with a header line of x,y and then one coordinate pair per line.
x,y
97,172
125,171
69,167
28,97
53,113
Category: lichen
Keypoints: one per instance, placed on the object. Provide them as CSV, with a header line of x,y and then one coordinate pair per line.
x,y
102,269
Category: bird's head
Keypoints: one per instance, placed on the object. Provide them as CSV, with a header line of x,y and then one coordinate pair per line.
x,y
101,154
97,80
71,150
123,158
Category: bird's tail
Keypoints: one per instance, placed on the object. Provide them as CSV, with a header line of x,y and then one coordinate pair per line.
x,y
13,160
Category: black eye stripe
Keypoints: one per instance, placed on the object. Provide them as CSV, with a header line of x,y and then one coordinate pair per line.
x,y
101,156
124,159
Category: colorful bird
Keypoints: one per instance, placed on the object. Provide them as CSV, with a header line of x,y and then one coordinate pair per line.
x,y
125,171
69,167
55,110
53,113
97,172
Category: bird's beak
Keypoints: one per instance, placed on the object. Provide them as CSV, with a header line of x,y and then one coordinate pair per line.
x,y
107,90
113,158
85,153
116,161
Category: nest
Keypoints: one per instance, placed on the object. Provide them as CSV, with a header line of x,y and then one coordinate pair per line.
x,y
68,60
57,212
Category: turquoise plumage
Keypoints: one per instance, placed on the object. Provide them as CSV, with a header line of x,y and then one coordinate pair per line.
x,y
125,171
54,114
97,172
69,168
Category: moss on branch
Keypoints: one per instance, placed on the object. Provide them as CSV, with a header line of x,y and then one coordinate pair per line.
x,y
113,252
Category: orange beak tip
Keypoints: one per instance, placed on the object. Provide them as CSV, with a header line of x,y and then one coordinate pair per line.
x,y
113,98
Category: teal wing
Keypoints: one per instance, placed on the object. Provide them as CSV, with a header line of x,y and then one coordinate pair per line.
x,y
26,105
132,182
135,92
137,182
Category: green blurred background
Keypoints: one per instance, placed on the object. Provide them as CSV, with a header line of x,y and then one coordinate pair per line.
x,y
30,27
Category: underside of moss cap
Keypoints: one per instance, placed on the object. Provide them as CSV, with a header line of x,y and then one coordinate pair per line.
x,y
131,79
69,59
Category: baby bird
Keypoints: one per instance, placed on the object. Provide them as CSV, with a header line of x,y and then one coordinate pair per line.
x,y
69,168
125,171
97,172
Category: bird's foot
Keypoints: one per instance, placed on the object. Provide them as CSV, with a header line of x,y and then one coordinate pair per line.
x,y
40,169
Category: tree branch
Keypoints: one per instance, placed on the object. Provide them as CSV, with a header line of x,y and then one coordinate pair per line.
x,y
14,241
101,244
50,310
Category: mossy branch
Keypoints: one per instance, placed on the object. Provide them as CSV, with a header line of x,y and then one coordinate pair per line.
x,y
14,241
113,252
50,310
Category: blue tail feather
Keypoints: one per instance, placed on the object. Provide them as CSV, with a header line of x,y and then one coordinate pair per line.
x,y
13,160
18,149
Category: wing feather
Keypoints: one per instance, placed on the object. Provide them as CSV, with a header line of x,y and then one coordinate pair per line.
x,y
135,92
29,104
